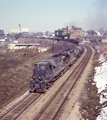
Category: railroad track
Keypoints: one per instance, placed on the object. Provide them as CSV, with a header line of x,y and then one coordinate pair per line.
x,y
19,107
53,107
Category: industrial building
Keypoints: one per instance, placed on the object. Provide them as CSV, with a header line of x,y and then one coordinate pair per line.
x,y
1,32
27,45
62,33
22,45
19,29
76,32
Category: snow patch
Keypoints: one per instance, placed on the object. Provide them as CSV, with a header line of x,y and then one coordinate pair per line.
x,y
100,79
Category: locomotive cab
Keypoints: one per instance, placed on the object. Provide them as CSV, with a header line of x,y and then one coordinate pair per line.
x,y
42,73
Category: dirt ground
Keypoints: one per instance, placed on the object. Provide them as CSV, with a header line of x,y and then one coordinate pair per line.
x,y
36,107
71,108
16,68
80,105
83,102
89,102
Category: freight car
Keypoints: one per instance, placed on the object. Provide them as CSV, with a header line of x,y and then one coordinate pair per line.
x,y
48,70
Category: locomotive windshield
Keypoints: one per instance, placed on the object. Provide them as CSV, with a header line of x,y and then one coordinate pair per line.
x,y
40,68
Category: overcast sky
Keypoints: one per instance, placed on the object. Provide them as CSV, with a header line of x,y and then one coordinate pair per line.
x,y
49,15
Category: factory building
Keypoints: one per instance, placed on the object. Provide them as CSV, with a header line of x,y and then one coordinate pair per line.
x,y
19,29
62,33
76,33
1,32
65,30
27,45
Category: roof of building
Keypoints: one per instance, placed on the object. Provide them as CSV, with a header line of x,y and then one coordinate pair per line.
x,y
64,28
77,28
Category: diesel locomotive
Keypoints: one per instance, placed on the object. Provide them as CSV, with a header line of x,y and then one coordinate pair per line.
x,y
48,70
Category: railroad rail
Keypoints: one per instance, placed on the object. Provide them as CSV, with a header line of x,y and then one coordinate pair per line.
x,y
20,107
53,107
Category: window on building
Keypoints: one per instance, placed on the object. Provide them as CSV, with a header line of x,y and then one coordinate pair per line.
x,y
57,33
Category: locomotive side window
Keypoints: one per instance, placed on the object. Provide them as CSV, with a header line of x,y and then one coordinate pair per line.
x,y
50,67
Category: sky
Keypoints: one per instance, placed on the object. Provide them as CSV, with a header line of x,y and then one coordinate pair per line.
x,y
49,15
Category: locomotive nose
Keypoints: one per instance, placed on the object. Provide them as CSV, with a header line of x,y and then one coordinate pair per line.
x,y
32,88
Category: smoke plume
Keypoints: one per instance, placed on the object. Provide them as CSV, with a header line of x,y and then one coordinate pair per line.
x,y
98,19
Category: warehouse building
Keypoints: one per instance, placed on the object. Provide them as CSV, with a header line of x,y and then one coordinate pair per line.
x,y
19,29
1,32
76,32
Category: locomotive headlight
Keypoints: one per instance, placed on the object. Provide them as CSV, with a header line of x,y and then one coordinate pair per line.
x,y
33,77
39,78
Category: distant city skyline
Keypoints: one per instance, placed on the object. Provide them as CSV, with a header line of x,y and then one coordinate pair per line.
x,y
49,15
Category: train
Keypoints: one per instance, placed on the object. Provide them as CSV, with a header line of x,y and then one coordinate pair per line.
x,y
47,71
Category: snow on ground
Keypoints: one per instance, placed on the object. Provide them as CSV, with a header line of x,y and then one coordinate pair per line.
x,y
100,79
